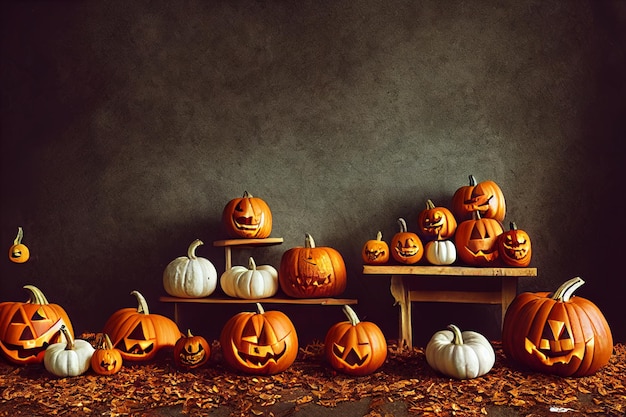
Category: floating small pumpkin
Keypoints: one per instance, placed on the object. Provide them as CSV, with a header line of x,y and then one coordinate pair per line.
x,y
406,247
247,217
138,334
486,197
436,222
557,333
355,347
250,283
476,240
312,272
70,358
440,252
375,251
514,246
190,276
106,360
19,252
460,355
27,328
261,343
191,352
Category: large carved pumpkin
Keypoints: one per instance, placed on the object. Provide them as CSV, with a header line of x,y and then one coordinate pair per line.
x,y
355,347
436,222
557,333
261,343
247,217
28,328
486,197
406,247
514,247
476,240
138,334
312,272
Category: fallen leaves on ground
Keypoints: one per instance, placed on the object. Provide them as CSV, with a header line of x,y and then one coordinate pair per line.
x,y
141,387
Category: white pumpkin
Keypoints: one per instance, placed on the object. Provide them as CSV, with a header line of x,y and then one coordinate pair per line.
x,y
70,358
250,283
190,276
459,355
440,252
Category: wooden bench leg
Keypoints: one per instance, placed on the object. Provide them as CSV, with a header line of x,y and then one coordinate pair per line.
x,y
509,292
401,295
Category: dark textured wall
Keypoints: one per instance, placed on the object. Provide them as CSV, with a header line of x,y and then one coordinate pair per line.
x,y
127,127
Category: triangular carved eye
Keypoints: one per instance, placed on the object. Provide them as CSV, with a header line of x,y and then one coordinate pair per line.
x,y
39,315
18,317
137,333
27,334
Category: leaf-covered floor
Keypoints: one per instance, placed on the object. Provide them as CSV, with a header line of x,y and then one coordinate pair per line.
x,y
140,389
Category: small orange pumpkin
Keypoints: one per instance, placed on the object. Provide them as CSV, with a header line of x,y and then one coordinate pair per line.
x,y
191,351
476,240
406,247
247,217
436,222
19,252
106,360
375,251
514,247
486,197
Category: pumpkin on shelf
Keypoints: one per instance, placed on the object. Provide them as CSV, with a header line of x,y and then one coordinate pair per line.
x,y
247,217
436,222
19,252
460,355
138,334
191,351
190,276
355,347
312,271
514,247
406,247
486,197
252,282
440,252
375,251
261,343
27,328
557,333
476,240
106,360
69,358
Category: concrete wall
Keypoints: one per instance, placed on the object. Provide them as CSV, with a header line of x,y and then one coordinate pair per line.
x,y
127,127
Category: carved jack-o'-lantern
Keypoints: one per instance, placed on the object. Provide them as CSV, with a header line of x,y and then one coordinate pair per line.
x,y
247,217
106,360
19,252
476,240
406,247
375,251
557,333
27,328
436,222
191,351
261,343
312,272
138,334
514,246
486,197
355,347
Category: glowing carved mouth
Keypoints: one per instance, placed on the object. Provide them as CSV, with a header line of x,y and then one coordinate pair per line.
x,y
188,358
480,203
260,355
135,349
515,253
108,365
406,252
549,358
372,255
248,223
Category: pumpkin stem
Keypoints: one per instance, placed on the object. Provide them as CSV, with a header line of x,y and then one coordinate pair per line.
x,y
142,307
246,195
402,224
429,204
379,235
457,336
191,252
189,333
566,290
251,264
68,337
351,314
259,308
472,181
512,226
308,241
20,235
36,296
108,345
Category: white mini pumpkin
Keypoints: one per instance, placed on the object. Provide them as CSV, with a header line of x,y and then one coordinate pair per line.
x,y
440,252
190,276
70,358
459,355
250,283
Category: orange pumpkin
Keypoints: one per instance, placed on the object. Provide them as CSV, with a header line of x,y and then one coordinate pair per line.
x,y
106,360
191,351
261,343
557,333
375,251
27,328
476,240
19,252
355,347
247,217
406,247
435,222
486,197
514,247
312,272
138,334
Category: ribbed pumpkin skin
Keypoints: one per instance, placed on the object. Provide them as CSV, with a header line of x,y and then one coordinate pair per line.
x,y
485,197
440,252
566,338
436,222
190,276
406,247
476,241
250,283
514,247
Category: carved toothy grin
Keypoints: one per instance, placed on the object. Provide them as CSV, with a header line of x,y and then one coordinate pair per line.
x,y
247,223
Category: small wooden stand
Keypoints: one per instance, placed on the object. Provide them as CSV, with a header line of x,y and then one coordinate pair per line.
x,y
243,243
420,284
